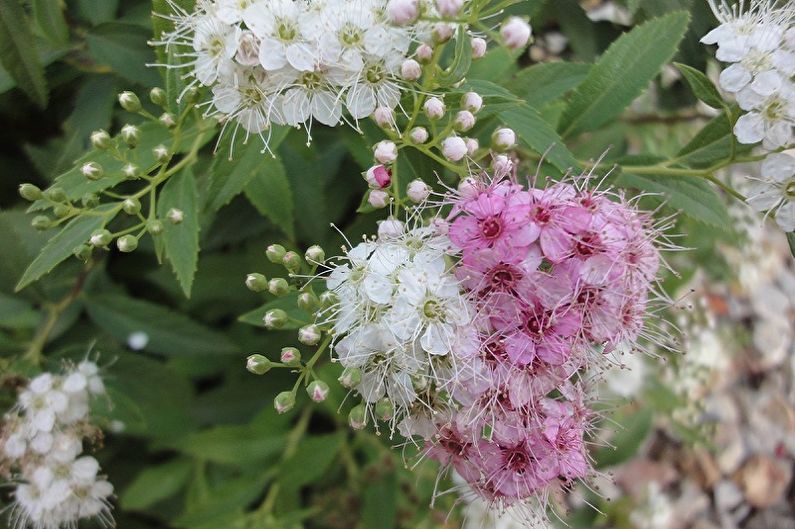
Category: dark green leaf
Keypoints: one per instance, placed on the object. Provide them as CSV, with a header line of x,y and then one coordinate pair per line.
x,y
18,52
181,241
461,62
311,460
288,304
231,445
48,15
269,191
533,132
701,86
98,11
156,483
623,72
124,48
169,332
544,82
711,144
635,428
380,502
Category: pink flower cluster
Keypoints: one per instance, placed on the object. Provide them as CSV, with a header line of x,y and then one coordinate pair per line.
x,y
557,277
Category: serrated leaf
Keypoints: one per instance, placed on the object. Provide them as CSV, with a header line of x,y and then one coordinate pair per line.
x,y
169,333
711,144
461,61
623,72
701,86
48,15
311,460
181,241
62,246
18,52
535,133
541,83
635,428
288,304
689,194
156,483
269,191
123,47
230,177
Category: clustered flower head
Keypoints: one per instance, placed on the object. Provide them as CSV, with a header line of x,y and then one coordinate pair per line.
x,y
292,62
759,44
41,450
774,191
474,330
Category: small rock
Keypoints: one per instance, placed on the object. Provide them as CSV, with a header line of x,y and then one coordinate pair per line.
x,y
764,481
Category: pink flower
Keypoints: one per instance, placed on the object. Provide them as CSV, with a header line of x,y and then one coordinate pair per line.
x,y
487,271
557,219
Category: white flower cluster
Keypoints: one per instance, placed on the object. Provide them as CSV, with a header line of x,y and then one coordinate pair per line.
x,y
774,192
759,42
294,61
400,313
42,442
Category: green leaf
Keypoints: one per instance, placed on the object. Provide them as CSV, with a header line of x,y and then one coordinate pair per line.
x,y
702,87
311,460
542,83
62,246
230,176
269,191
48,15
791,241
156,483
231,445
535,133
98,12
623,72
123,47
711,144
635,428
16,313
288,304
461,61
18,52
181,241
380,502
692,195
170,333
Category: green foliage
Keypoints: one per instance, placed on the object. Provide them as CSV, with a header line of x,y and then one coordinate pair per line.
x,y
18,52
181,241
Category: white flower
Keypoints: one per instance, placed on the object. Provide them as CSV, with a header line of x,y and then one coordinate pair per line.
x,y
775,191
280,26
376,85
215,44
314,94
770,101
454,148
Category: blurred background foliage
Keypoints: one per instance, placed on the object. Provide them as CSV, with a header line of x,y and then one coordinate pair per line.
x,y
192,439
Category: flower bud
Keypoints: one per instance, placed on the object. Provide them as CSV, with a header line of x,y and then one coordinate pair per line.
x,y
129,101
309,335
424,53
418,191
384,409
449,8
191,95
315,255
308,301
100,238
501,165
61,210
161,153
292,262
284,402
385,151
317,390
274,319
55,194
472,146
479,46
384,117
464,121
92,170
167,119
175,216
256,282
503,139
390,228
468,188
290,356
131,135
275,253
350,377
378,199
30,192
472,101
357,418
131,206
90,200
515,33
158,96
41,222
418,135
154,227
127,243
378,177
100,139
442,32
82,252
402,12
130,171
434,108
410,70
454,148
258,364
278,286
328,299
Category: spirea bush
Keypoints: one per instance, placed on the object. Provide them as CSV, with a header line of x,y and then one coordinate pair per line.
x,y
431,227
